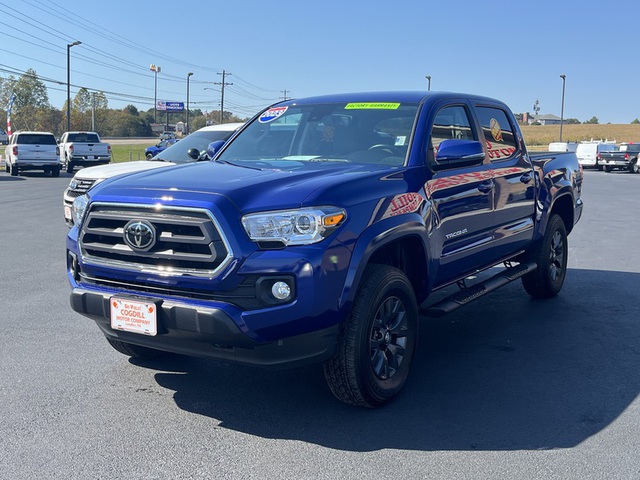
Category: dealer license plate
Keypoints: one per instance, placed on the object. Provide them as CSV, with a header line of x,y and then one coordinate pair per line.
x,y
134,316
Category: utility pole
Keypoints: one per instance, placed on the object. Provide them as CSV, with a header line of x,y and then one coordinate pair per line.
x,y
223,84
284,93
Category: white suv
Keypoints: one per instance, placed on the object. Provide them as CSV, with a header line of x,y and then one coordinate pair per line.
x,y
32,151
191,148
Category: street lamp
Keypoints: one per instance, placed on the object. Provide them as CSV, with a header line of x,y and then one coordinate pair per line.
x,y
564,78
428,77
188,76
69,45
156,70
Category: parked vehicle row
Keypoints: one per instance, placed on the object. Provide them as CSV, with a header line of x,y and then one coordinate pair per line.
x,y
603,155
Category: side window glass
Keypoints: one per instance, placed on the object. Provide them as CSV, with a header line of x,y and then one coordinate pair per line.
x,y
450,123
498,133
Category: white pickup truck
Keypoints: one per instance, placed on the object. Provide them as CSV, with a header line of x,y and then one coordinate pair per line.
x,y
83,149
32,151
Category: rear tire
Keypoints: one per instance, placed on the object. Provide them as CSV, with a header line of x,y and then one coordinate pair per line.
x,y
55,171
550,254
14,170
607,168
377,341
68,166
134,351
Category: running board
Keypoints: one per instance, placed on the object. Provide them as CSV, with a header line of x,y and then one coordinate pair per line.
x,y
474,292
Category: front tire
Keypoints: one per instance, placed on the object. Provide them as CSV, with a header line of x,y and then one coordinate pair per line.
x,y
377,341
149,156
550,254
134,351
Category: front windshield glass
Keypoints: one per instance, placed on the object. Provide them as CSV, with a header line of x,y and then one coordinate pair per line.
x,y
375,133
200,140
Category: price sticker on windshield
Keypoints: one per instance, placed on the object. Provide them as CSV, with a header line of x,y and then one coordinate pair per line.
x,y
271,114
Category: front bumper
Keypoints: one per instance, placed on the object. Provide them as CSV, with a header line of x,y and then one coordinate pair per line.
x,y
210,332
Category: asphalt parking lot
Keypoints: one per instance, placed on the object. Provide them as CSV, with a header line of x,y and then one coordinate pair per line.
x,y
504,388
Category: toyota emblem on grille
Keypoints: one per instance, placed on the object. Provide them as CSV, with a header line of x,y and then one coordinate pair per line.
x,y
139,235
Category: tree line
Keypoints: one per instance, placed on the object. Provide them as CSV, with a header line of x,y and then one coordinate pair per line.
x,y
89,111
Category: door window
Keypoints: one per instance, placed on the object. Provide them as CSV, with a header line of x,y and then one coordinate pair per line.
x,y
498,133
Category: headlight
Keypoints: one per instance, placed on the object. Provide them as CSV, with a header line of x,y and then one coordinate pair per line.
x,y
78,209
293,227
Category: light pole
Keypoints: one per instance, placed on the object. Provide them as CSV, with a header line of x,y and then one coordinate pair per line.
x,y
69,45
156,69
428,77
188,76
564,78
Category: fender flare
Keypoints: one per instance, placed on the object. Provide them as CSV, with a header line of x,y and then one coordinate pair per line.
x,y
372,240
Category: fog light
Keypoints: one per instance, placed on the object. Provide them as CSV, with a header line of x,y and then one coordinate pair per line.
x,y
281,290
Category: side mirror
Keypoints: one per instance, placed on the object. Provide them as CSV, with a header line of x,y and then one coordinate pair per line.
x,y
193,153
214,147
453,153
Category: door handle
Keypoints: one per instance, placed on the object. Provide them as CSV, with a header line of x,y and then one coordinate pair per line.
x,y
527,177
486,186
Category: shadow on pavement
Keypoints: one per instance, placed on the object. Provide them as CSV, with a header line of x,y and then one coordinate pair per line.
x,y
504,373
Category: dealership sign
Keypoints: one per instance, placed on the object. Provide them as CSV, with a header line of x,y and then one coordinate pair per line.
x,y
170,106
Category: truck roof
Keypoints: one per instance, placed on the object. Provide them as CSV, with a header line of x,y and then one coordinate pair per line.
x,y
385,96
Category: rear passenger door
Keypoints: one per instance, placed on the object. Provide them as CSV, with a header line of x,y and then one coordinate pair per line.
x,y
514,191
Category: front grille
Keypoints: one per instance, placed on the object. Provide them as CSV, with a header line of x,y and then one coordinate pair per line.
x,y
188,241
82,186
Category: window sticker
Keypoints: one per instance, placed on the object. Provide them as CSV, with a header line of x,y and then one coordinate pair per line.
x,y
271,114
372,106
496,131
400,141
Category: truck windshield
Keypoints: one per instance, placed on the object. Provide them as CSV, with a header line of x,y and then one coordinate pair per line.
x,y
375,133
200,140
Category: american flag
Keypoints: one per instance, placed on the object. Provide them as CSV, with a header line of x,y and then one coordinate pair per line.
x,y
13,97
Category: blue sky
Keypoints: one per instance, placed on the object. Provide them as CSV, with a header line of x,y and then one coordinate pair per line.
x,y
514,51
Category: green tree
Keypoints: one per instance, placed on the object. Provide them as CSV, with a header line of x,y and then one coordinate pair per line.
x,y
636,121
31,97
592,121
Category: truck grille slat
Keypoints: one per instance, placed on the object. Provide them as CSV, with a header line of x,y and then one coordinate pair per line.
x,y
186,241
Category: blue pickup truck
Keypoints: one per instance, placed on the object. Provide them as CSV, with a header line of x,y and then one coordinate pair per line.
x,y
319,232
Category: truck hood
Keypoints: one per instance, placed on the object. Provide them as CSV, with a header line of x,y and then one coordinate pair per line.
x,y
113,169
250,189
